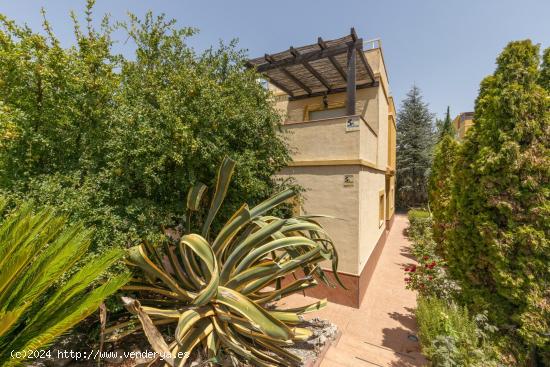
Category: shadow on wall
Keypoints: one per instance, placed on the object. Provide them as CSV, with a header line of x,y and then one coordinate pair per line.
x,y
404,341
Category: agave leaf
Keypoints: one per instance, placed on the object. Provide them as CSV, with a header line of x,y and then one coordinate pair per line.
x,y
244,248
285,268
185,346
138,256
159,312
287,317
146,288
178,268
274,245
319,305
225,172
194,196
212,343
272,202
200,247
253,273
257,315
236,346
191,267
296,286
189,318
230,229
282,352
236,336
256,335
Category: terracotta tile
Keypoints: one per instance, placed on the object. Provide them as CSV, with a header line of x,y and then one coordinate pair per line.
x,y
376,333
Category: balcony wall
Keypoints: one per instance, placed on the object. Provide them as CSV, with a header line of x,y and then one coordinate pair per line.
x,y
322,140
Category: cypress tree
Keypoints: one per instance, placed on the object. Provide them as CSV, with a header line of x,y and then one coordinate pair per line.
x,y
415,140
440,185
445,127
499,246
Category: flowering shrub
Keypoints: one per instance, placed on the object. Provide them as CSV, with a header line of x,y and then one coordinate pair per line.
x,y
429,276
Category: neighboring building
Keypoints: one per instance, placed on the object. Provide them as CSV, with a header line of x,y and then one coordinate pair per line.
x,y
340,124
462,123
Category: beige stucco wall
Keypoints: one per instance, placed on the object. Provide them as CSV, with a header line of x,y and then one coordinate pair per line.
x,y
382,160
369,144
370,228
322,140
326,194
324,153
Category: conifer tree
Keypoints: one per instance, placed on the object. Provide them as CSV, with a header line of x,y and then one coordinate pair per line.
x,y
415,140
499,246
445,127
440,186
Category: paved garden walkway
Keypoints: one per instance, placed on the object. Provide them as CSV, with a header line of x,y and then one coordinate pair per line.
x,y
382,332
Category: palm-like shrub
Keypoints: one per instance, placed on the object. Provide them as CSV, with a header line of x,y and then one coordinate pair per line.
x,y
36,250
215,288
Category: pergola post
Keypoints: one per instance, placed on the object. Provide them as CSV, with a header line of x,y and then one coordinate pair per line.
x,y
351,82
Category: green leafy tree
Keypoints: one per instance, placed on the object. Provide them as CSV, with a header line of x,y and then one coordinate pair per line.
x,y
113,141
415,140
498,247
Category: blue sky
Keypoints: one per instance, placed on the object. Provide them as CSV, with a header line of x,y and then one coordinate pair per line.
x,y
444,46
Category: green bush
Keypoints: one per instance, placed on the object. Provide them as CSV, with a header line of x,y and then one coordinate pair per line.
x,y
498,246
419,221
451,337
114,141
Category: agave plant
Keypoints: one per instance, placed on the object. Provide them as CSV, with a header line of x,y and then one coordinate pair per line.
x,y
218,291
36,250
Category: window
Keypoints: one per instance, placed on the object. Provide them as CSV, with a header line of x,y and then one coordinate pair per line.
x,y
324,111
327,114
381,203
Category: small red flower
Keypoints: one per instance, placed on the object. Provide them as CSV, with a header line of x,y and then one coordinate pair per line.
x,y
426,257
430,277
412,269
407,279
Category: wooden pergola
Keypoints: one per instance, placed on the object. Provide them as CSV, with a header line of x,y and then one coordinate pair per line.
x,y
325,67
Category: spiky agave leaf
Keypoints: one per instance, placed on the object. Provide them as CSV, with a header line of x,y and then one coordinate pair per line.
x,y
219,285
37,250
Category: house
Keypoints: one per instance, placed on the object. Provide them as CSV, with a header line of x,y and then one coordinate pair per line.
x,y
339,119
462,123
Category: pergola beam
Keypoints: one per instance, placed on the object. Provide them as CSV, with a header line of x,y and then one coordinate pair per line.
x,y
333,91
311,70
309,56
366,64
281,87
269,59
296,80
333,61
351,85
362,55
